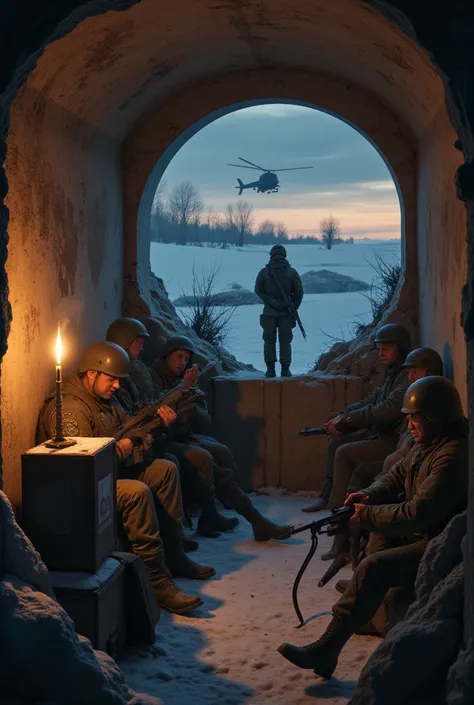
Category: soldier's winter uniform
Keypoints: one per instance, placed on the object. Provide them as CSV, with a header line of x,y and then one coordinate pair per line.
x,y
275,317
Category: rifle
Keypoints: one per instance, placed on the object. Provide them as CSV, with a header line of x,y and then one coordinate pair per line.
x,y
336,521
146,420
288,303
317,431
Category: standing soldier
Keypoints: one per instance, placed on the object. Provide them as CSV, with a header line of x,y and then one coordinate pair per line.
x,y
277,275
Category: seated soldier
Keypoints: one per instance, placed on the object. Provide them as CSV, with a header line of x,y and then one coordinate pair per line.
x,y
421,362
148,494
433,479
197,474
367,430
196,452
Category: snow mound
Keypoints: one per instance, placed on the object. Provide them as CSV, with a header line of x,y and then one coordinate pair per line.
x,y
325,282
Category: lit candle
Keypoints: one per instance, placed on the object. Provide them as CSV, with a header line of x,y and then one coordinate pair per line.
x,y
59,441
59,401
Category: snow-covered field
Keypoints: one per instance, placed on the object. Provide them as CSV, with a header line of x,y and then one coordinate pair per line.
x,y
227,654
323,315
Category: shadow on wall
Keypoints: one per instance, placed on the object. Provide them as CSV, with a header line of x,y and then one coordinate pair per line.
x,y
238,420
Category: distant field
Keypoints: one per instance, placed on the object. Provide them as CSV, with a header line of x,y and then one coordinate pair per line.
x,y
330,314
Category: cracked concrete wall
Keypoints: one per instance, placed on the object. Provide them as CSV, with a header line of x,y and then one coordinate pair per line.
x,y
65,257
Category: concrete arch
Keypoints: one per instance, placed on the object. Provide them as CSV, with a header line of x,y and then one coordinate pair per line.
x,y
105,67
156,138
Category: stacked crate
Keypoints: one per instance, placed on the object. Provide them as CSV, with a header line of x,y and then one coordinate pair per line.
x,y
69,514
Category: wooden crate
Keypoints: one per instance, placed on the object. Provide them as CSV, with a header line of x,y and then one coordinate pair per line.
x,y
69,503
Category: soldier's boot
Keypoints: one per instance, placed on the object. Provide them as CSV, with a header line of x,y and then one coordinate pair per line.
x,y
176,560
340,545
263,529
211,523
285,370
321,655
270,370
322,501
189,545
169,596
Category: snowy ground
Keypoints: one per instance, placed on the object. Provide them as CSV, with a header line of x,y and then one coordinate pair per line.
x,y
323,315
226,654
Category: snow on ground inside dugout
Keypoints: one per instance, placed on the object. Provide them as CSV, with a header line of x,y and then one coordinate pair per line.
x,y
324,316
227,653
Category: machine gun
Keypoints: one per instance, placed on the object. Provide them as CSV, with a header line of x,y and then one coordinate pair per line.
x,y
335,522
287,302
316,431
146,420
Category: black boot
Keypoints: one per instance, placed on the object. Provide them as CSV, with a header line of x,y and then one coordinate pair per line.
x,y
211,523
322,655
189,545
322,501
285,370
340,545
263,529
270,370
176,560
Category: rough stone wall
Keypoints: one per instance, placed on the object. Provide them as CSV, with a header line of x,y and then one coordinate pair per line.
x,y
65,257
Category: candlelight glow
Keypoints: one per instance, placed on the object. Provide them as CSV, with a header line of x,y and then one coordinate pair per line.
x,y
59,347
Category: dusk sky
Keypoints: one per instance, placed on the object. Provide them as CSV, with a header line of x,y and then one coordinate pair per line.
x,y
349,181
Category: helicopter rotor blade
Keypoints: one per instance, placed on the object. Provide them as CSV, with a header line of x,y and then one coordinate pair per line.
x,y
255,165
241,166
295,168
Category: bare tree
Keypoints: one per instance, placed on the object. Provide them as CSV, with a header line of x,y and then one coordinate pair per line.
x,y
240,218
282,231
267,229
209,320
329,229
158,207
186,207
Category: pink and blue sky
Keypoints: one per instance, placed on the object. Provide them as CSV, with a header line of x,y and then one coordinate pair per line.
x,y
350,180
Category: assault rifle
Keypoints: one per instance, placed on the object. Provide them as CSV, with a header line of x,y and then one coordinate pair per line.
x,y
339,422
287,302
335,522
146,420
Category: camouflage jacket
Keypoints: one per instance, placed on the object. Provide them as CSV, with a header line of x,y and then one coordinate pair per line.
x,y
381,410
84,414
267,289
433,479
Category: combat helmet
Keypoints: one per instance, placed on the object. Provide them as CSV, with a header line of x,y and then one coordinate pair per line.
x,y
278,250
427,359
435,398
106,357
123,331
394,333
177,342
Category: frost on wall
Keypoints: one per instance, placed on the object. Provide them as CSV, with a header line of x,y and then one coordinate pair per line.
x,y
68,670
423,657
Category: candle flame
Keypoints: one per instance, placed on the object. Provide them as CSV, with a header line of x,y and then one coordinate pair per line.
x,y
59,347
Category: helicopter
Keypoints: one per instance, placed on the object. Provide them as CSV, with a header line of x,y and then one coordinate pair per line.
x,y
268,182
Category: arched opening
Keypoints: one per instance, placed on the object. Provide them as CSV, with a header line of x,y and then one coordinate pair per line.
x,y
349,179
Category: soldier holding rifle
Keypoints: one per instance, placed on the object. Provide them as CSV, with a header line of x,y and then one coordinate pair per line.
x,y
280,288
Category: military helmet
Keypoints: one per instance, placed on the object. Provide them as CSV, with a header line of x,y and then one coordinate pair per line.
x,y
278,250
394,333
106,357
425,358
177,342
435,398
123,331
